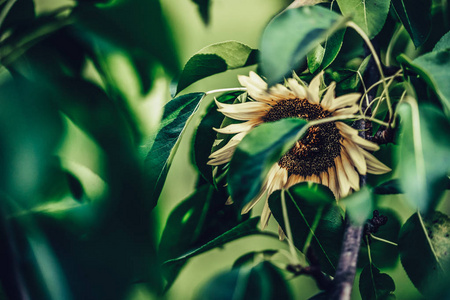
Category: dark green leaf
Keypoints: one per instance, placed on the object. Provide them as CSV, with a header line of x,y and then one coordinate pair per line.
x,y
15,13
256,154
157,163
424,246
203,8
246,228
383,254
443,44
213,59
259,282
370,15
415,17
252,257
374,285
433,68
323,55
359,205
307,215
205,135
423,154
390,187
291,35
195,221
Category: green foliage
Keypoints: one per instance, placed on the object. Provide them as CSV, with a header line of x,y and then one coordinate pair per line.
x,y
424,252
375,285
359,205
323,55
262,281
290,36
257,153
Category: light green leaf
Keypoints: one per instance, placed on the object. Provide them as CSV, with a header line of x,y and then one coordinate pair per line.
x,y
315,221
157,163
443,44
323,55
289,37
258,282
423,154
424,247
415,17
374,285
256,154
213,59
370,15
359,205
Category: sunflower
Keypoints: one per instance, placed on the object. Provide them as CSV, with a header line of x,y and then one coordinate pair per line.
x,y
332,154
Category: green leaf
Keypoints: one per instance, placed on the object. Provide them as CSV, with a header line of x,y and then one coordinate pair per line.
x,y
246,228
390,187
424,247
203,8
433,68
314,222
16,13
259,282
423,154
370,15
256,153
205,136
443,44
177,112
254,257
383,254
213,59
322,56
197,220
291,35
415,17
359,205
374,285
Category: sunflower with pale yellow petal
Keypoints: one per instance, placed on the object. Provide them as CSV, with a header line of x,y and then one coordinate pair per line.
x,y
331,153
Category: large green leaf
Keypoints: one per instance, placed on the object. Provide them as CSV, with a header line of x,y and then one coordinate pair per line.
x,y
359,205
177,112
389,187
256,154
213,59
424,247
205,136
16,13
423,154
370,15
374,285
246,228
323,55
197,220
443,44
203,8
433,68
415,17
289,37
315,220
261,281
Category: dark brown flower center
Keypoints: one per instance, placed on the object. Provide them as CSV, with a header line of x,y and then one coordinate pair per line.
x,y
316,151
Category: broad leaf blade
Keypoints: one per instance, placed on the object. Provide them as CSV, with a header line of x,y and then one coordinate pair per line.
x,y
291,35
415,17
256,154
423,154
359,205
424,251
307,216
259,282
443,44
322,56
213,59
375,285
157,163
390,187
370,15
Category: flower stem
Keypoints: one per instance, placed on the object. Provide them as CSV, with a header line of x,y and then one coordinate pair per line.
x,y
226,90
287,226
383,240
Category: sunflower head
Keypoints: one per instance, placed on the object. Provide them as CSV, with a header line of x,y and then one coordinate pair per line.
x,y
332,153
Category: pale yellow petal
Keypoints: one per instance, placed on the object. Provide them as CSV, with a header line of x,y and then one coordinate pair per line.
x,y
265,216
293,180
346,111
241,127
329,96
314,88
279,180
374,166
243,111
315,178
364,143
298,90
332,182
344,128
355,154
256,91
344,185
258,81
324,178
343,101
280,92
352,175
229,201
281,234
